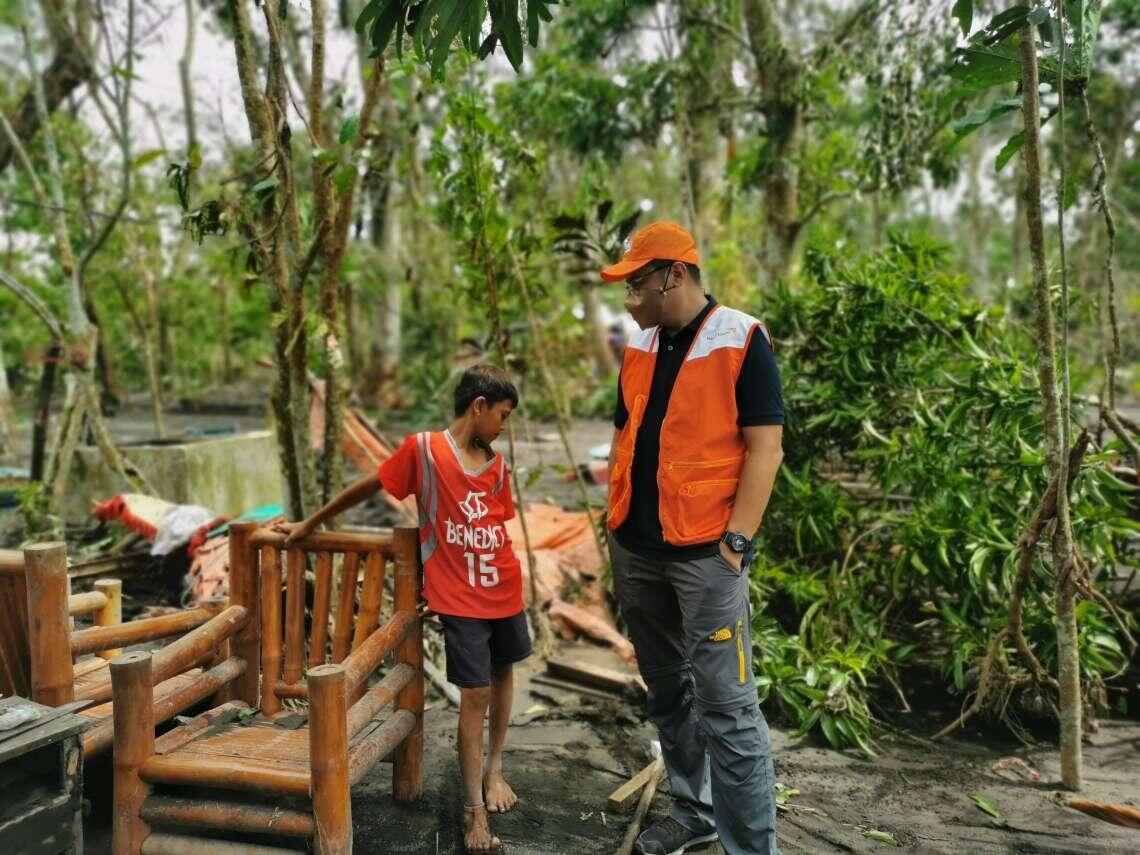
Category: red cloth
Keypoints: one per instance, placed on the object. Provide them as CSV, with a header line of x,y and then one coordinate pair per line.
x,y
470,567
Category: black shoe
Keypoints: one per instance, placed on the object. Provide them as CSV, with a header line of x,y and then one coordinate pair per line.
x,y
669,837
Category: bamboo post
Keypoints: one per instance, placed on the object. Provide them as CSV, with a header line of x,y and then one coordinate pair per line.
x,y
49,643
328,759
294,615
370,598
270,628
112,613
133,716
244,592
322,592
342,628
407,761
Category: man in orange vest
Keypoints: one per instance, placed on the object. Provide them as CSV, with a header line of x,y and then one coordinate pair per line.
x,y
696,448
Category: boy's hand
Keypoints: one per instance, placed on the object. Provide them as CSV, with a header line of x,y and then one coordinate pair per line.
x,y
423,611
294,531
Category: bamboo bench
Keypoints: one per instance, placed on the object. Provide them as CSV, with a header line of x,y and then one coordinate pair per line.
x,y
230,772
39,648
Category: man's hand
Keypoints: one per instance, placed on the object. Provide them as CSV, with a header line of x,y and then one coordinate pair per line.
x,y
733,559
294,531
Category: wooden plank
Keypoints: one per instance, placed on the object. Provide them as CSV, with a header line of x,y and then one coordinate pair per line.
x,y
53,725
116,565
583,691
261,741
642,807
174,739
594,675
89,666
624,797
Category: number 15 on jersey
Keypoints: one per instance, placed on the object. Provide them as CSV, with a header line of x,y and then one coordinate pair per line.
x,y
488,573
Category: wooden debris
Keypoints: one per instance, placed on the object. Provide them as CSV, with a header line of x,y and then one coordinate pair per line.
x,y
564,686
595,675
622,799
1124,815
656,774
111,565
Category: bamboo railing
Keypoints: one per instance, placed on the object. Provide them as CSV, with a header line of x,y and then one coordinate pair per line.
x,y
276,654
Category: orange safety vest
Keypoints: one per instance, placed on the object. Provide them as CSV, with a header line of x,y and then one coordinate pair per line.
x,y
702,448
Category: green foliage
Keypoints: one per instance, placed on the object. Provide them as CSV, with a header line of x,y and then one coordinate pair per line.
x,y
992,59
913,462
434,25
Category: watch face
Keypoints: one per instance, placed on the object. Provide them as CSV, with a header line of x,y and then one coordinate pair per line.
x,y
737,542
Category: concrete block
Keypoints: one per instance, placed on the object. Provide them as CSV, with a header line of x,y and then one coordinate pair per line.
x,y
225,474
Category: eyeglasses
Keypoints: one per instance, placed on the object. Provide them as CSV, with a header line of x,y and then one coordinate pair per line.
x,y
632,286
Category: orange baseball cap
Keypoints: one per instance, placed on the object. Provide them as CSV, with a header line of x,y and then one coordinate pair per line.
x,y
662,240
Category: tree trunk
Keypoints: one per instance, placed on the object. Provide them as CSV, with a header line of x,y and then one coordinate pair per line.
x,y
1064,557
1017,235
7,438
269,237
184,64
604,362
149,329
43,410
104,366
69,69
778,79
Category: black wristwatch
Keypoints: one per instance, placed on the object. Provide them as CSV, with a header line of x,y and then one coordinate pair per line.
x,y
735,541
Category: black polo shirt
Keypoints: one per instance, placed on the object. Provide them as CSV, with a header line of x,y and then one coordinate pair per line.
x,y
758,402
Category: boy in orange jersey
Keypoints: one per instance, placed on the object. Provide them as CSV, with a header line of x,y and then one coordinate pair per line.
x,y
472,578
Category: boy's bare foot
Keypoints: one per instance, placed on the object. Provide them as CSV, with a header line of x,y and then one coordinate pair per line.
x,y
498,794
477,836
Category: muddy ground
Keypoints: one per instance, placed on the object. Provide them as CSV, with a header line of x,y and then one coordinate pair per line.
x,y
917,791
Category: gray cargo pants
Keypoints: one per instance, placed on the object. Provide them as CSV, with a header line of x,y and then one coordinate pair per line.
x,y
689,623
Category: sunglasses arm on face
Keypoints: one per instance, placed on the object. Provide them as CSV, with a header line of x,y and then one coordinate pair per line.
x,y
633,284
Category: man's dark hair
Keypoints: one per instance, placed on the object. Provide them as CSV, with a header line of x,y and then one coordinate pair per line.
x,y
487,381
694,271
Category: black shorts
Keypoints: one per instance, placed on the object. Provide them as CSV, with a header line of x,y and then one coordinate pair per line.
x,y
474,644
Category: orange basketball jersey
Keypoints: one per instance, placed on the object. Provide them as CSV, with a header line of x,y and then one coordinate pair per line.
x,y
470,568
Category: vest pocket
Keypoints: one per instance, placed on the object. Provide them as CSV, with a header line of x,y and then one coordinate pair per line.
x,y
703,464
703,508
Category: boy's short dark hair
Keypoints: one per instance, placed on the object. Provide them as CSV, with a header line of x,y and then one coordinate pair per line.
x,y
487,381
